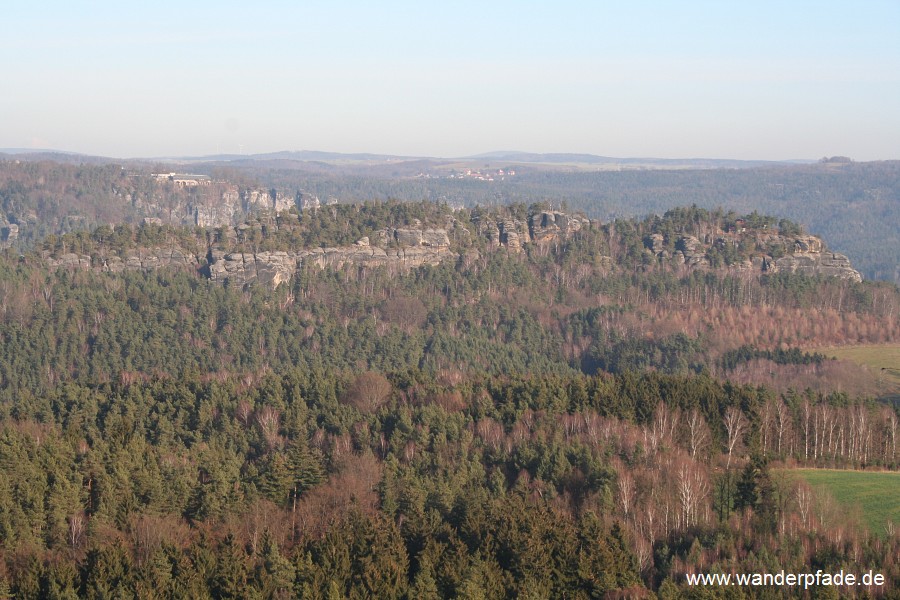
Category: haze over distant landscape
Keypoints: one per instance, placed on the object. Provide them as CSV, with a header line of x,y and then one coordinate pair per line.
x,y
762,81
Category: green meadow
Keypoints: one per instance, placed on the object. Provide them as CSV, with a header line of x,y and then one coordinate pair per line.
x,y
882,359
876,495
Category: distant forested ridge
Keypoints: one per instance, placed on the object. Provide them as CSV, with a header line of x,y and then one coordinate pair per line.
x,y
852,205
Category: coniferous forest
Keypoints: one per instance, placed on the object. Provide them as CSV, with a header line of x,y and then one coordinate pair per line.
x,y
573,416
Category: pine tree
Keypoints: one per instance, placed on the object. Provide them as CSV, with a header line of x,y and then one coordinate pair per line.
x,y
229,580
275,574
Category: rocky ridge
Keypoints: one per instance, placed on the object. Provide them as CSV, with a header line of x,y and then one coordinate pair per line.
x,y
414,248
764,252
540,227
405,248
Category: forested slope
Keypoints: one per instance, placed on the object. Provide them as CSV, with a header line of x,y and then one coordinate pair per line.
x,y
551,419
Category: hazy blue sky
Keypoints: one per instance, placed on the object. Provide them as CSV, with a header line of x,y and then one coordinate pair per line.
x,y
769,80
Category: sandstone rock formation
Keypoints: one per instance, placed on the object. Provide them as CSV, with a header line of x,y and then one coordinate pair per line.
x,y
413,246
70,261
806,254
9,232
277,201
656,243
216,215
549,225
808,244
510,235
271,269
692,250
830,264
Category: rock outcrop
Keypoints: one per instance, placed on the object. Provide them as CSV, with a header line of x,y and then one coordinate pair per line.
x,y
541,227
271,269
829,264
805,254
146,259
513,234
435,238
277,201
547,226
70,261
692,251
284,202
150,259
656,243
413,248
308,201
808,244
216,215
9,232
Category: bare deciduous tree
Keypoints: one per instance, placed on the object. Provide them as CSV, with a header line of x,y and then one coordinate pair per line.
x,y
369,391
782,422
625,491
269,421
734,428
804,503
698,433
77,525
693,489
490,432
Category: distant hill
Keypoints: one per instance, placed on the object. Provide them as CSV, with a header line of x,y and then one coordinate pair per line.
x,y
62,156
288,155
592,159
510,156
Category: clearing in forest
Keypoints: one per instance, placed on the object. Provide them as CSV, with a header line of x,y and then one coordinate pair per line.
x,y
876,495
883,360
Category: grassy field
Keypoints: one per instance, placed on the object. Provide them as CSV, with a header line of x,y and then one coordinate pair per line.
x,y
875,495
883,360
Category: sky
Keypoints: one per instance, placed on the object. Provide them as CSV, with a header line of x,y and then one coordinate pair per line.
x,y
744,80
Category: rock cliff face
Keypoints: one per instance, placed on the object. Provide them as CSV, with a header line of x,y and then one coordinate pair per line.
x,y
255,199
413,248
271,269
9,232
216,215
550,225
513,234
830,264
409,247
808,255
219,204
150,259
146,259
539,228
70,261
804,254
692,251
